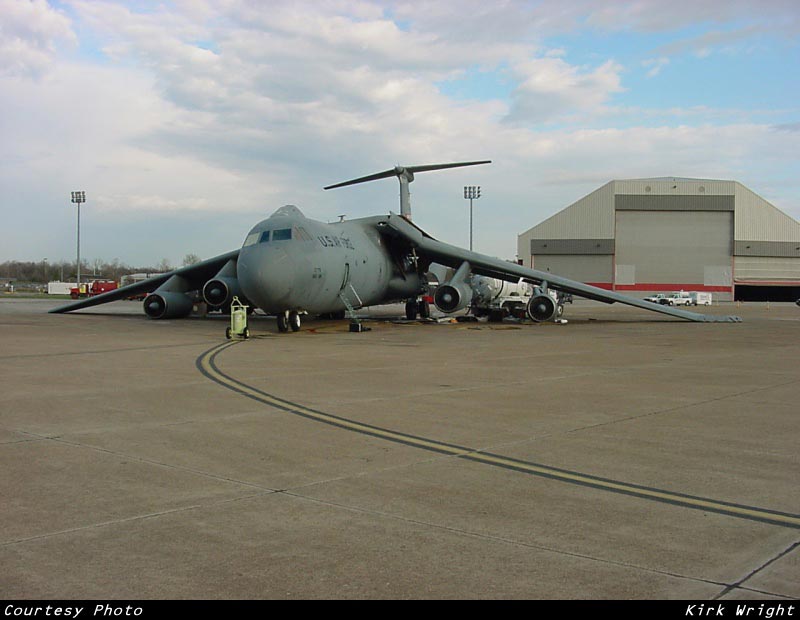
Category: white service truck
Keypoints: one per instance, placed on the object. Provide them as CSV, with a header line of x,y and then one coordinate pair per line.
x,y
700,298
680,298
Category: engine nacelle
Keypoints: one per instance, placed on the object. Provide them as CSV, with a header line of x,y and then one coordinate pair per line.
x,y
452,296
221,290
542,307
167,305
456,293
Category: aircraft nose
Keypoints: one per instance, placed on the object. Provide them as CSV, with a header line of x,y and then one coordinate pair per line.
x,y
267,278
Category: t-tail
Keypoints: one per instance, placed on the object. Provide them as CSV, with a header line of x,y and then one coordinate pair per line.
x,y
405,174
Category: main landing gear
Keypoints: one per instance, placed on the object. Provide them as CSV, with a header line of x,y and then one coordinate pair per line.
x,y
418,307
288,320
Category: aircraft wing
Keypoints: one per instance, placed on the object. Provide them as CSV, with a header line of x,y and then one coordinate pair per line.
x,y
452,256
197,275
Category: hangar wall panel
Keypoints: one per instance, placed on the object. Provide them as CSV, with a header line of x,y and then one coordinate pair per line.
x,y
758,220
625,275
591,217
572,246
763,269
635,202
784,249
675,187
592,269
680,248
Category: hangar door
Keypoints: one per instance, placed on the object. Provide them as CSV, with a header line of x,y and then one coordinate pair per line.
x,y
673,249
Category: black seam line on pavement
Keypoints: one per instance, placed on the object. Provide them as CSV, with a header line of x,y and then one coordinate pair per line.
x,y
729,589
131,457
206,365
101,351
579,429
528,545
91,526
754,572
31,439
142,517
686,406
498,539
519,543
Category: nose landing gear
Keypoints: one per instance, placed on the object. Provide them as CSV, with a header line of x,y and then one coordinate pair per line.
x,y
288,320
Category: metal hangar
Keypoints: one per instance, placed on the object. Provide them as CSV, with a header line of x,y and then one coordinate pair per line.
x,y
669,234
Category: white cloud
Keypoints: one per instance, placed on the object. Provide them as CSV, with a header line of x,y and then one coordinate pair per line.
x,y
654,65
30,32
550,88
223,111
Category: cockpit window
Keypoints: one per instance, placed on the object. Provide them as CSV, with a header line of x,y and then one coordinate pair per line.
x,y
301,233
263,236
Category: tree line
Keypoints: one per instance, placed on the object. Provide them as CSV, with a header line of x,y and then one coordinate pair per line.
x,y
45,271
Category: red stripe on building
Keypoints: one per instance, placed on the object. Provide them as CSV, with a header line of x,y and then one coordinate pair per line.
x,y
672,287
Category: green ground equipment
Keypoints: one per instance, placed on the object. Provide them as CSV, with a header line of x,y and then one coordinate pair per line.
x,y
238,326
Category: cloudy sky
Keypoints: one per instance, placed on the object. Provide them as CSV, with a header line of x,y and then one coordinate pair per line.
x,y
186,122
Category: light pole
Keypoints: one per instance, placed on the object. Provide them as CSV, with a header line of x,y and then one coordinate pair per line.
x,y
472,192
78,198
44,261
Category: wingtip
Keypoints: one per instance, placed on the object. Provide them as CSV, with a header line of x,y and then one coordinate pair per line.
x,y
710,318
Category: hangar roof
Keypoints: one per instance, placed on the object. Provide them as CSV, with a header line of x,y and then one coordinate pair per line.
x,y
679,179
593,216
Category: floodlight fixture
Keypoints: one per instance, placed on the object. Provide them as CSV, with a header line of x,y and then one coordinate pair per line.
x,y
471,192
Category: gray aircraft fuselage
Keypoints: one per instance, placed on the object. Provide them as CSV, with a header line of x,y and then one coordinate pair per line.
x,y
291,263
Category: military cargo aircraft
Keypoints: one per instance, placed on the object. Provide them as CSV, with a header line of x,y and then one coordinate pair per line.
x,y
290,266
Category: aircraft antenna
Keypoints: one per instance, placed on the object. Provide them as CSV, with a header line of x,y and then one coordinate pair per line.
x,y
405,174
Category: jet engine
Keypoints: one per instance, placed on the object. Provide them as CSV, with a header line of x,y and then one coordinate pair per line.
x,y
222,288
456,293
452,297
169,301
167,305
542,306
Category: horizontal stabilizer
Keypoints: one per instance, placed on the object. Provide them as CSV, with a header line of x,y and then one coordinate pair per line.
x,y
399,171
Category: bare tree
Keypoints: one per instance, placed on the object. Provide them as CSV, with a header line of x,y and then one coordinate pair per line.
x,y
190,259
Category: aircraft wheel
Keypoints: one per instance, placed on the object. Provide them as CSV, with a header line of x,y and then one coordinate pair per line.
x,y
228,333
294,321
411,310
283,322
424,310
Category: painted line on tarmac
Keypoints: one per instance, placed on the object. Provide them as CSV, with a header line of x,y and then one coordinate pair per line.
x,y
207,366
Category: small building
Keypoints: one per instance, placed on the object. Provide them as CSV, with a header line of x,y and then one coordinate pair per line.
x,y
667,234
